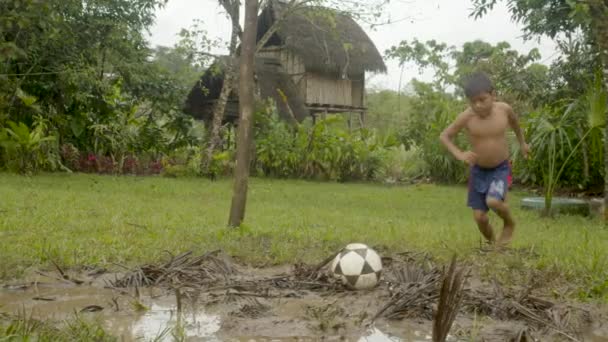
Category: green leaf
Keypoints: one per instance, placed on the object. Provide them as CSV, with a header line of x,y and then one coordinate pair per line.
x,y
77,127
28,100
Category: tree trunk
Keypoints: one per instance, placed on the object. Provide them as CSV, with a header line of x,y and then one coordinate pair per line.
x,y
232,7
246,107
600,18
604,48
605,63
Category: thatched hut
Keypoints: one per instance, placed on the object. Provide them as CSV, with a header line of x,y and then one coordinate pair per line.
x,y
318,58
272,82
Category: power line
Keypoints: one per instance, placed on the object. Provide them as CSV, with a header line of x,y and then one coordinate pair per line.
x,y
80,71
40,73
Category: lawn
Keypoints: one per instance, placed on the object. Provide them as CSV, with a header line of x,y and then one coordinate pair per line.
x,y
77,220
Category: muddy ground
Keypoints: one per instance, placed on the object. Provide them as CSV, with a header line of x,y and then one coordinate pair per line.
x,y
212,298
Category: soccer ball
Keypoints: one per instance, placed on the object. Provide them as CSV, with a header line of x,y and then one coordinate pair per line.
x,y
357,266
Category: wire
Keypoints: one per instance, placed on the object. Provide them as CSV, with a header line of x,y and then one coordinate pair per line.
x,y
39,73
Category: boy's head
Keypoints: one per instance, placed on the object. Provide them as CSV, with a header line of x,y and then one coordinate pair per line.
x,y
480,92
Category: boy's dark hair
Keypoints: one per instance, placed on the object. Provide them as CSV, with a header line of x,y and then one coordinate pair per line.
x,y
476,84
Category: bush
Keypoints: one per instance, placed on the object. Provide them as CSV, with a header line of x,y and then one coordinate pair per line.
x,y
432,111
76,161
401,165
186,161
28,150
323,151
442,165
558,128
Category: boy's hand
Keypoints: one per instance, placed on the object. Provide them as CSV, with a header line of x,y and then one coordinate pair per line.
x,y
525,150
468,157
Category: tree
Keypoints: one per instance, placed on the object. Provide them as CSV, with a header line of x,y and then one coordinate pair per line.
x,y
565,17
232,8
246,108
85,69
57,51
599,19
359,8
518,77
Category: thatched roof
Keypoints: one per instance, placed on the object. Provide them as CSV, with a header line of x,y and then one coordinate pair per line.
x,y
270,79
327,41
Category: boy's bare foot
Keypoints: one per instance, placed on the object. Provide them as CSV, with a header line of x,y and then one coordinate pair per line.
x,y
507,234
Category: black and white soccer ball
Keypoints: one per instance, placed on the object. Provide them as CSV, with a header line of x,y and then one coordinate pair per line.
x,y
358,267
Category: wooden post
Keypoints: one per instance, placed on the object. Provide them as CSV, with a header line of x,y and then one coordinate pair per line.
x,y
362,119
324,116
229,78
350,121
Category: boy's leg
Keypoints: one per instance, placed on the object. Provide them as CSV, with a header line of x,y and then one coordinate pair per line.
x,y
483,222
502,209
477,201
496,200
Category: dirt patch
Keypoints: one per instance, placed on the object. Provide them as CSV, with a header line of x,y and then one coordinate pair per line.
x,y
211,297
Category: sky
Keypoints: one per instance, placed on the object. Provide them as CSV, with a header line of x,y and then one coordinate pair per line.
x,y
445,21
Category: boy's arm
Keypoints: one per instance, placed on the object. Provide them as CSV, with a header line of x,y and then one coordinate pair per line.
x,y
514,123
450,132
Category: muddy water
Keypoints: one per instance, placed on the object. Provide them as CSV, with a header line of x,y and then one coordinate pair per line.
x,y
284,319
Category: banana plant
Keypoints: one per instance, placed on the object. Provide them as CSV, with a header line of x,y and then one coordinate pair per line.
x,y
23,144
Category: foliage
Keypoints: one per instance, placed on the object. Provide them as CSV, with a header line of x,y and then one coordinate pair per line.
x,y
556,132
596,109
431,54
431,111
325,150
401,165
388,110
572,70
518,78
551,18
87,70
26,150
186,162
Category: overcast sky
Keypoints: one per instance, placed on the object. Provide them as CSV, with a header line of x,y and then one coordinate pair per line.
x,y
443,20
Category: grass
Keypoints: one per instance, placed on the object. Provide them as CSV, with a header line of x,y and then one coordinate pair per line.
x,y
76,328
80,219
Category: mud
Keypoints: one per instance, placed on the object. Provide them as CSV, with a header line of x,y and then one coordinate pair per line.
x,y
244,311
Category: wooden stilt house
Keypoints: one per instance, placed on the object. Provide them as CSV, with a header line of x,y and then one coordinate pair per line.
x,y
317,58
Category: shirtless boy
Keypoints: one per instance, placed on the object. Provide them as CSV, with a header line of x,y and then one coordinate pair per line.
x,y
486,122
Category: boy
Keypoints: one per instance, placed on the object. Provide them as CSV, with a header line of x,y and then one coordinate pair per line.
x,y
486,122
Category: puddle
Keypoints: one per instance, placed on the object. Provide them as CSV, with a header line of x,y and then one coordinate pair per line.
x,y
285,319
60,301
161,320
598,333
375,335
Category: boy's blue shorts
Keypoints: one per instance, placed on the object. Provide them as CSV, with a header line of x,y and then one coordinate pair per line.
x,y
484,182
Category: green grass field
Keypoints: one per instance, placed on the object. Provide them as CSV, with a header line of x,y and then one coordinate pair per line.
x,y
78,220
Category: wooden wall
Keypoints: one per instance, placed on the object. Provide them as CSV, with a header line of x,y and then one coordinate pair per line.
x,y
317,88
358,91
324,90
292,64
